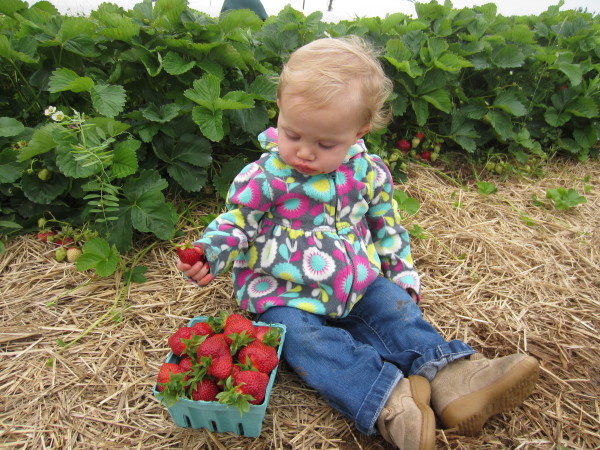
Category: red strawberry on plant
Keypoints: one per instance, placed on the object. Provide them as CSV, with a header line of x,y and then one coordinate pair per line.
x,y
205,390
426,155
218,350
190,253
419,136
45,234
403,145
263,357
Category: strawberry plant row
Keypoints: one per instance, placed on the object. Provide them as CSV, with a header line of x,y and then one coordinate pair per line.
x,y
105,119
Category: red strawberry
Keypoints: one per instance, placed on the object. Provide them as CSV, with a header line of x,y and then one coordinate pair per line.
x,y
403,145
262,356
165,375
202,329
426,155
43,235
186,363
217,348
174,340
63,242
237,324
190,253
268,335
205,390
252,383
419,136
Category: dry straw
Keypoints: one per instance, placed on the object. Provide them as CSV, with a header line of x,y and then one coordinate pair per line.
x,y
489,279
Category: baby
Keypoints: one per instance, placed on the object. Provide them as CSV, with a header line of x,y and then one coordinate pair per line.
x,y
315,241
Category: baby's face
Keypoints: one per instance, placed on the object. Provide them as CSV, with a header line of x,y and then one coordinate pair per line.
x,y
316,139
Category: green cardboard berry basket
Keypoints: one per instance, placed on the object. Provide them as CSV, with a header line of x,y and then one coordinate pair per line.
x,y
215,416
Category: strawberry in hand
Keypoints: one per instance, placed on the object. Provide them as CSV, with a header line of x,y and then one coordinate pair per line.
x,y
190,254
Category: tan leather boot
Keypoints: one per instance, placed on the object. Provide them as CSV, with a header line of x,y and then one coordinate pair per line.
x,y
406,420
467,392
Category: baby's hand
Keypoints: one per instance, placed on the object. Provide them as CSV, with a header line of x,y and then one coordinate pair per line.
x,y
199,271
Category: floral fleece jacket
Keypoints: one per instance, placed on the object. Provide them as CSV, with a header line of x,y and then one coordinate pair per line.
x,y
313,242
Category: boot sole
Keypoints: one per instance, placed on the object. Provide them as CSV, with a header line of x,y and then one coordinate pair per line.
x,y
421,393
468,414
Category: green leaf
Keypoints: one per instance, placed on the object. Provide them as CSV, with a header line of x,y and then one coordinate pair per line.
x,y
234,100
406,203
108,99
486,188
124,162
564,199
147,207
10,168
6,227
43,192
98,255
74,163
421,110
9,7
440,99
501,122
555,118
174,64
586,137
263,88
508,101
135,275
508,56
67,80
583,107
42,141
205,91
164,114
10,127
573,71
210,122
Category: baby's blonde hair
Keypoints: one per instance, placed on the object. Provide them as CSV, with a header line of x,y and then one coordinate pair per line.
x,y
347,69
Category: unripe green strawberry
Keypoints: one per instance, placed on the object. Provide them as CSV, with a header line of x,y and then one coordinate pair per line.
x,y
60,254
73,254
44,174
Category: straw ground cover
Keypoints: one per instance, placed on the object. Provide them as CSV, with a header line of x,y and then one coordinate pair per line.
x,y
489,279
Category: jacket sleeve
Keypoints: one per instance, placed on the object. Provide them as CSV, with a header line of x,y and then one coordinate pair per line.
x,y
391,239
248,199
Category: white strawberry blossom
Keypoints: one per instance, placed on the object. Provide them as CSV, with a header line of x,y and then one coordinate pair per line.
x,y
49,110
58,116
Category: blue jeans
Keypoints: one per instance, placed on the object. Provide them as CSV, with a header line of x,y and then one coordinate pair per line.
x,y
356,361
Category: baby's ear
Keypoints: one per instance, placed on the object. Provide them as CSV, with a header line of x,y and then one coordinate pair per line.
x,y
364,130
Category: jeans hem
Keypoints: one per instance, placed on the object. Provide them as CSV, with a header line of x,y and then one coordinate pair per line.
x,y
369,411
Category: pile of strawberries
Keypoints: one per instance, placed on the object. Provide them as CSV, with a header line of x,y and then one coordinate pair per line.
x,y
226,359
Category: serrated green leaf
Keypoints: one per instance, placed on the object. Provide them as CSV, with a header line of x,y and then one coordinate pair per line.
x,y
67,80
9,7
501,122
205,91
421,110
108,99
135,275
210,122
98,255
583,107
190,178
555,118
586,137
174,64
10,127
234,100
573,71
508,56
10,168
440,99
164,114
486,188
43,192
263,88
508,101
125,162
